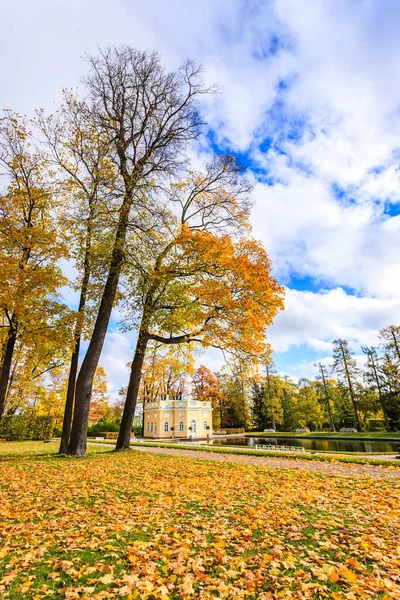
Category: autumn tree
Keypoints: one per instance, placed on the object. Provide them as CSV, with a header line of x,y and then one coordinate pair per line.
x,y
38,355
346,368
30,249
307,409
205,385
165,372
86,176
198,285
235,386
52,399
99,404
149,116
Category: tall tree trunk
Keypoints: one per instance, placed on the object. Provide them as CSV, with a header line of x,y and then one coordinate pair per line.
x,y
8,351
69,402
328,402
396,344
378,385
125,430
351,391
144,402
84,382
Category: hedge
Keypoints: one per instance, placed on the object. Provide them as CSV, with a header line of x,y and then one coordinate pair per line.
x,y
103,426
110,426
18,428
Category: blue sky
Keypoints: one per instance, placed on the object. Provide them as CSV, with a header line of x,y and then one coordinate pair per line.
x,y
309,102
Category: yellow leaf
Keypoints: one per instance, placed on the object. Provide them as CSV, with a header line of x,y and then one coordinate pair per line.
x,y
124,591
333,576
349,576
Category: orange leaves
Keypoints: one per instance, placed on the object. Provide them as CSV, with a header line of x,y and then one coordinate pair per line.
x,y
139,526
218,290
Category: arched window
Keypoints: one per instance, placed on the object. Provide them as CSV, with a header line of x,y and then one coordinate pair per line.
x,y
148,426
151,426
193,426
181,426
166,426
205,424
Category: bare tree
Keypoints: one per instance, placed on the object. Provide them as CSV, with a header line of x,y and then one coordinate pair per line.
x,y
373,378
79,151
150,116
323,376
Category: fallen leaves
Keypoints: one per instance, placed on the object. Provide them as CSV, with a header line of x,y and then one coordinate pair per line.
x,y
140,526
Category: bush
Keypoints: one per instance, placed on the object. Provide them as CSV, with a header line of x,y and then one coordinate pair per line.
x,y
103,426
376,425
18,428
110,427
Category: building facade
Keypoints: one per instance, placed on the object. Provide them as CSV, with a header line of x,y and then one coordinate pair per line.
x,y
167,418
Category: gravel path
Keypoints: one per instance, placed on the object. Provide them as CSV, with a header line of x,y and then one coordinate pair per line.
x,y
342,469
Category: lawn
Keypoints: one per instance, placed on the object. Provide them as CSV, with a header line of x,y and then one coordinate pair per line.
x,y
135,525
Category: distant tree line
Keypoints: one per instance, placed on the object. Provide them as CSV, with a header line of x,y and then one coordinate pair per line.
x,y
341,395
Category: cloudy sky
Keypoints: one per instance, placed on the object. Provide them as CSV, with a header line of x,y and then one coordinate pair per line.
x,y
310,102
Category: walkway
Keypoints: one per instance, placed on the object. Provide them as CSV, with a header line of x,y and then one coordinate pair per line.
x,y
342,469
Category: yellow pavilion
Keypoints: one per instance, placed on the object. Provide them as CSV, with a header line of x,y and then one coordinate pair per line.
x,y
172,418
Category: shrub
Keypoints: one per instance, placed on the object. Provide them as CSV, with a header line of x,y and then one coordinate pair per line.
x,y
26,427
103,426
375,425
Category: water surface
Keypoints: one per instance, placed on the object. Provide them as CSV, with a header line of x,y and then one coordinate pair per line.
x,y
313,444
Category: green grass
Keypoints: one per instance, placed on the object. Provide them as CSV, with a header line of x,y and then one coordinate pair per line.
x,y
37,449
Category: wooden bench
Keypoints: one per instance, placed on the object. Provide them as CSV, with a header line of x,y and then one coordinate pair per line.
x,y
273,448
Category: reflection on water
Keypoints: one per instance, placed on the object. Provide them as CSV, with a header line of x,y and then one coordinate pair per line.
x,y
314,444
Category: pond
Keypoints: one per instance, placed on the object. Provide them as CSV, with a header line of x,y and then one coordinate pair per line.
x,y
314,444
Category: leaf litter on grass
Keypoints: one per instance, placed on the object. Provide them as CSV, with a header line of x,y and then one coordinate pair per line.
x,y
140,526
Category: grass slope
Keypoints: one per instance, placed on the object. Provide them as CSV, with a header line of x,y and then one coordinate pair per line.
x,y
139,526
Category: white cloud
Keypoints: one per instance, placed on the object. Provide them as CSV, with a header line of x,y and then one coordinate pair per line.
x,y
315,319
339,60
117,352
309,233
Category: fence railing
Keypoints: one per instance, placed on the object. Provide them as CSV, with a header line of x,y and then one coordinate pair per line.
x,y
228,431
273,448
